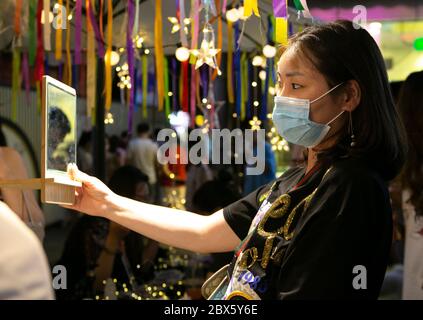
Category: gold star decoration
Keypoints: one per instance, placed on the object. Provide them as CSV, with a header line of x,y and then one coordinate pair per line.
x,y
177,25
255,123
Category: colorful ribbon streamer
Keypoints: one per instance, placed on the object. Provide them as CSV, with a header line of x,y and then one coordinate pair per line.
x,y
194,74
144,86
46,26
25,73
281,21
244,83
237,71
158,45
131,61
107,60
16,68
166,86
78,29
17,23
91,68
58,52
229,63
219,40
137,19
182,34
251,6
98,37
301,5
39,59
68,52
184,67
32,31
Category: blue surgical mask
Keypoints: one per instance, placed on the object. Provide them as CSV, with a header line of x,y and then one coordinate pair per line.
x,y
291,117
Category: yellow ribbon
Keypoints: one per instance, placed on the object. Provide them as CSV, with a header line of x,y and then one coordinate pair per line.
x,y
58,54
251,6
16,69
107,60
158,45
230,59
282,31
46,25
91,66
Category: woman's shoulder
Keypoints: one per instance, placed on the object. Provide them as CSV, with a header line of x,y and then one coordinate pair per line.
x,y
354,171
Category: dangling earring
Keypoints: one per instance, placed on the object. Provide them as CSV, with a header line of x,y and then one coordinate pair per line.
x,y
352,144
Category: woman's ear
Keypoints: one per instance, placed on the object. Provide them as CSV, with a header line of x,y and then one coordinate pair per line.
x,y
352,95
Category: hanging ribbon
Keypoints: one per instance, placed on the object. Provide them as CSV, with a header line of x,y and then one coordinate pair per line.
x,y
244,84
25,73
281,16
131,60
99,39
174,74
144,86
204,80
78,29
46,25
301,6
194,42
219,40
16,68
224,6
166,86
32,30
250,71
91,68
39,58
137,19
237,71
68,51
100,22
107,60
182,34
158,45
58,52
229,64
185,85
17,23
251,6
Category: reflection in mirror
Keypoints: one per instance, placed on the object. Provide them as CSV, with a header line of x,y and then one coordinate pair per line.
x,y
61,128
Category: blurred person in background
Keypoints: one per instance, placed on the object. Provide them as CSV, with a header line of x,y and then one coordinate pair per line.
x,y
97,249
410,105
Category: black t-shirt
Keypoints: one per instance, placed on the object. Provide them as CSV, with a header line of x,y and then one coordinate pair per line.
x,y
342,222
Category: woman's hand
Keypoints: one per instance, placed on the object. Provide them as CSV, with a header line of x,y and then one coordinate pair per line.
x,y
94,197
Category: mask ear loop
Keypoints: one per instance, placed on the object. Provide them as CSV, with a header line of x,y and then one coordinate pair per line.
x,y
326,93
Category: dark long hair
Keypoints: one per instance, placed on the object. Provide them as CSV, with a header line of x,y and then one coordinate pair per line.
x,y
410,106
343,51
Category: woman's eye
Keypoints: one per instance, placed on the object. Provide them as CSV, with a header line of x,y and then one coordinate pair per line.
x,y
295,86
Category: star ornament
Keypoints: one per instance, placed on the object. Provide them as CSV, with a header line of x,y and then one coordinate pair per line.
x,y
255,123
206,55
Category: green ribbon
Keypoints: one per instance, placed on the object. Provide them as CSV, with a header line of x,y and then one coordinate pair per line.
x,y
32,26
16,68
298,5
166,86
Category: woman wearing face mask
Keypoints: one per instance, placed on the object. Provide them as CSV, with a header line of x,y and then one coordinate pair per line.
x,y
322,231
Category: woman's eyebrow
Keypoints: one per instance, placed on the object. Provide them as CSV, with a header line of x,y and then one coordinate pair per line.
x,y
294,73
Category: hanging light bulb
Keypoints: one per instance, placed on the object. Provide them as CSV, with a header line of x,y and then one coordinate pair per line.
x,y
257,61
114,57
262,75
269,51
232,15
182,54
